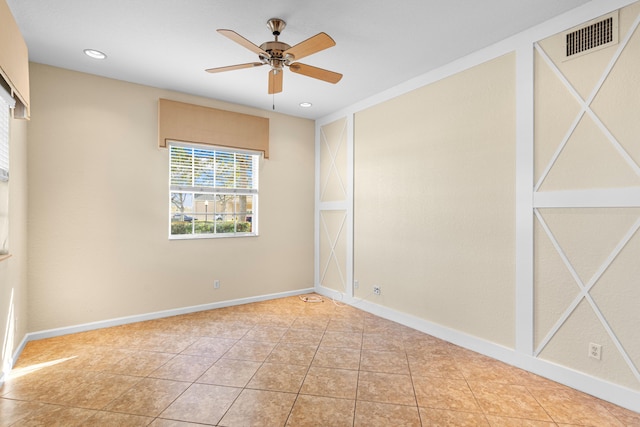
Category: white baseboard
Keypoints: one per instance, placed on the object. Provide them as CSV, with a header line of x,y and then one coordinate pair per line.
x,y
49,333
602,389
15,356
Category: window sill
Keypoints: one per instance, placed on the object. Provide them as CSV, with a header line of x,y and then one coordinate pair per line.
x,y
5,256
211,236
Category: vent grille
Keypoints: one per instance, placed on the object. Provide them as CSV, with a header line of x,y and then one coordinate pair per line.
x,y
592,36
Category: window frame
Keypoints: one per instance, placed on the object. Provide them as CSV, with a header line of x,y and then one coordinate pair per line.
x,y
213,193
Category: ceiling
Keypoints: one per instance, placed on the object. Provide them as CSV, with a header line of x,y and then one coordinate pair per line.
x,y
169,43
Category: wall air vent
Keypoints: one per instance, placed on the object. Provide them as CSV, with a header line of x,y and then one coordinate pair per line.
x,y
594,35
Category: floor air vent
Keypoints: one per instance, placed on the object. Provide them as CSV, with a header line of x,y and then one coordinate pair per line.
x,y
591,36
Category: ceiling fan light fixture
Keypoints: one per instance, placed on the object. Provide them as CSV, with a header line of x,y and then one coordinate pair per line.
x,y
95,54
306,104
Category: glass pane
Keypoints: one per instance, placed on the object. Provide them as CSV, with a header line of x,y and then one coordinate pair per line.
x,y
225,168
181,165
204,213
182,217
244,171
204,168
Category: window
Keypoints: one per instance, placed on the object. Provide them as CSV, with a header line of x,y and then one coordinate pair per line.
x,y
213,192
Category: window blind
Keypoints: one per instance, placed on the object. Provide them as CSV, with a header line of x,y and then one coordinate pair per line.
x,y
212,169
6,103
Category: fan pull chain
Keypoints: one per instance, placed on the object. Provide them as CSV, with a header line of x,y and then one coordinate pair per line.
x,y
273,104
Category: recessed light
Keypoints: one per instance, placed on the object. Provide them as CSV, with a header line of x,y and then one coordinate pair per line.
x,y
306,104
95,54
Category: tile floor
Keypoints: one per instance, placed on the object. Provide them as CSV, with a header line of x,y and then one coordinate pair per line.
x,y
281,363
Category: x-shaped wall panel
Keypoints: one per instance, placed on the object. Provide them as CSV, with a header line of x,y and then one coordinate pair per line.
x,y
332,181
585,287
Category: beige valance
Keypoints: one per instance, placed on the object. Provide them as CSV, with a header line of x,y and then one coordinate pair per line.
x,y
14,62
178,121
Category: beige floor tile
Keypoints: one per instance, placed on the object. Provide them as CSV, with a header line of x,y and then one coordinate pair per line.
x,y
294,354
13,410
572,407
96,358
258,408
373,414
256,351
625,416
230,330
385,388
46,385
377,325
210,347
344,311
342,339
434,365
442,418
303,336
340,383
276,320
265,333
98,390
278,377
391,362
312,411
346,325
481,368
445,393
382,342
202,403
114,419
183,368
161,342
339,358
159,422
230,372
140,363
508,400
57,416
149,397
495,421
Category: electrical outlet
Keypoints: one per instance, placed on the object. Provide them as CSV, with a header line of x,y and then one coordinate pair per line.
x,y
376,290
216,284
356,284
595,351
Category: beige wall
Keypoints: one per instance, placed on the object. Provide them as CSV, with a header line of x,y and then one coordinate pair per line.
x,y
13,271
434,202
588,237
98,208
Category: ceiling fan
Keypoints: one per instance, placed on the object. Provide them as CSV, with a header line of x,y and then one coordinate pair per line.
x,y
278,54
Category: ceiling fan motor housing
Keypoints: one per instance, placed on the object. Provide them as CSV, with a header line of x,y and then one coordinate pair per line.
x,y
275,49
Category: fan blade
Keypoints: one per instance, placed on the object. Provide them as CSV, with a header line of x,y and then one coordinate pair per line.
x,y
243,42
275,81
311,45
315,72
233,67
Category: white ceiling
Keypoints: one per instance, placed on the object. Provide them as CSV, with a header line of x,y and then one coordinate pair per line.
x,y
169,43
